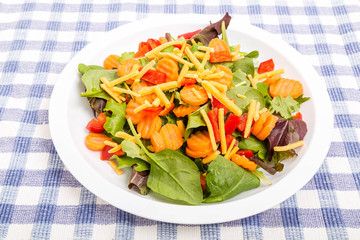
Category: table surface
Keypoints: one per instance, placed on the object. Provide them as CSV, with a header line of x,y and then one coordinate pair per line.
x,y
40,199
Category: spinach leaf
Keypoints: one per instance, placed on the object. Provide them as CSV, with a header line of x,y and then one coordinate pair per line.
x,y
240,79
125,56
264,89
126,161
284,106
225,179
175,176
249,92
201,166
254,145
211,31
132,150
195,120
116,121
280,156
91,80
246,65
301,99
253,54
82,68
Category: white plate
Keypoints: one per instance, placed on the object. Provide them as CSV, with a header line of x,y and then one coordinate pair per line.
x,y
69,114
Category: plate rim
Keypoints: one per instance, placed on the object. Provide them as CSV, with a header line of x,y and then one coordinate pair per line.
x,y
167,216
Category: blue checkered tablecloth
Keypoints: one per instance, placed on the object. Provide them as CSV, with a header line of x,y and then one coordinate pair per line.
x,y
40,199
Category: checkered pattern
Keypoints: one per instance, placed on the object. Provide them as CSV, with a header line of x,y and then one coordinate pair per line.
x,y
40,199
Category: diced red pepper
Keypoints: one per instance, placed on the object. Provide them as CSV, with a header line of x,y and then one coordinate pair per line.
x,y
189,34
214,120
266,66
153,43
97,125
247,153
105,155
217,104
203,182
232,122
142,51
167,110
242,124
229,139
154,77
188,81
298,116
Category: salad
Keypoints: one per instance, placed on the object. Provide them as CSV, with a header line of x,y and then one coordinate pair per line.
x,y
193,117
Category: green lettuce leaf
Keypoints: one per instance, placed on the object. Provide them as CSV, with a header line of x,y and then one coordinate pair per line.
x,y
195,120
280,156
116,121
284,106
246,65
126,161
126,55
91,80
301,99
82,68
254,145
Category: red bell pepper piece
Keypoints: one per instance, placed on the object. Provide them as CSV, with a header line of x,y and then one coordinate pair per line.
x,y
203,182
142,51
154,77
298,116
165,111
246,153
229,139
266,66
105,155
214,120
189,34
217,104
232,122
153,43
242,124
97,125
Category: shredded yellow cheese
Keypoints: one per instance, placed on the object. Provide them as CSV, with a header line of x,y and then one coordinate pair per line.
x,y
290,146
156,102
251,113
110,143
257,111
142,107
206,58
153,52
115,149
252,81
151,148
114,166
196,93
111,93
191,75
161,95
214,75
211,157
222,131
221,87
121,90
194,60
241,96
199,55
126,136
222,98
206,49
227,154
162,86
144,70
210,129
105,80
176,58
233,151
269,74
193,42
124,78
183,72
263,110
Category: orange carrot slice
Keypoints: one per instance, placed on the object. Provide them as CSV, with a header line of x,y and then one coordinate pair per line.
x,y
244,162
148,126
95,141
189,97
111,62
126,66
183,110
199,145
227,78
157,142
169,67
285,87
172,136
222,51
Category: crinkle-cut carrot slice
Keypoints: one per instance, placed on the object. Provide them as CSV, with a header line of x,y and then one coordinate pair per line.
x,y
172,136
258,125
199,145
189,97
285,87
148,126
126,66
135,117
137,87
221,51
183,110
95,141
111,62
272,79
169,67
266,128
226,79
157,142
